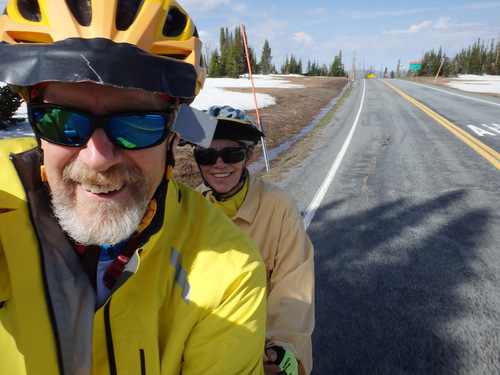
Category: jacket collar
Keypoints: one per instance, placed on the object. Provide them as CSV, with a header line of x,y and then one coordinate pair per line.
x,y
250,207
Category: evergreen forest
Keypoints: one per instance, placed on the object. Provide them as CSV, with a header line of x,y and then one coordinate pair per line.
x,y
482,57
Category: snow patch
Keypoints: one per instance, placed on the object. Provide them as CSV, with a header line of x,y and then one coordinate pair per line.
x,y
215,92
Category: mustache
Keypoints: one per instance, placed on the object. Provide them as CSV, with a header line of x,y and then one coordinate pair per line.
x,y
115,175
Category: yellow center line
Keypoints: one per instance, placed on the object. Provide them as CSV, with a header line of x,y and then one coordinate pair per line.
x,y
488,153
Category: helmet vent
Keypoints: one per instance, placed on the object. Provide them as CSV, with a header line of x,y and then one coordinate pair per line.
x,y
175,23
30,10
176,56
82,11
126,12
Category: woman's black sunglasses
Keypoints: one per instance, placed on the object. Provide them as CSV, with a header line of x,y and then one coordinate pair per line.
x,y
69,127
229,155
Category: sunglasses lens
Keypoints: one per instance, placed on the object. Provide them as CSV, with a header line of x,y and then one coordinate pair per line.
x,y
68,128
205,157
60,126
233,155
229,155
138,131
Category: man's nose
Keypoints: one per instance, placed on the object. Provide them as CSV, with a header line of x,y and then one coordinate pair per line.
x,y
99,153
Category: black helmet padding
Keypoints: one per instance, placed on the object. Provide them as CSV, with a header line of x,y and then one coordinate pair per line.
x,y
97,60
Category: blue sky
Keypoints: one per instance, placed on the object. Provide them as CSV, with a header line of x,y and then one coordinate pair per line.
x,y
377,34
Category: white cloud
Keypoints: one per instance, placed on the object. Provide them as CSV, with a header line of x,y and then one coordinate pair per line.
x,y
204,34
442,23
419,27
411,30
302,38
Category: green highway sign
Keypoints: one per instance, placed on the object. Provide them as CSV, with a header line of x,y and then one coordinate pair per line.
x,y
415,66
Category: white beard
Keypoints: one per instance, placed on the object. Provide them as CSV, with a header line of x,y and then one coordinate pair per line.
x,y
100,223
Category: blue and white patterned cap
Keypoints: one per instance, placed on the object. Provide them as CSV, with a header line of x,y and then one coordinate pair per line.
x,y
235,125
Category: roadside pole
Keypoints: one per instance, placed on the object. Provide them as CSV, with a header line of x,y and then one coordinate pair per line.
x,y
440,66
264,148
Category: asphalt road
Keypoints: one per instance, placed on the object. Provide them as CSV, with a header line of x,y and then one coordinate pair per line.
x,y
406,231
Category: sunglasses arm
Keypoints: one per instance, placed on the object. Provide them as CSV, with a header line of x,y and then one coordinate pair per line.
x,y
170,156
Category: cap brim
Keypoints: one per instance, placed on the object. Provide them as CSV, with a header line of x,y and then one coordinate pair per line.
x,y
237,130
97,60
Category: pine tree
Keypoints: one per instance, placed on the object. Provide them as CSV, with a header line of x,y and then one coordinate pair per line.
x,y
9,104
293,67
337,67
323,71
309,67
313,69
266,58
474,59
253,61
236,61
215,65
489,58
225,46
285,68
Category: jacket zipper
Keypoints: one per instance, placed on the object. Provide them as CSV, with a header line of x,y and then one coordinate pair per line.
x,y
109,342
109,339
143,361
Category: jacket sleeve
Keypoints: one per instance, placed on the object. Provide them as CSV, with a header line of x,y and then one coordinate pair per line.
x,y
290,310
229,339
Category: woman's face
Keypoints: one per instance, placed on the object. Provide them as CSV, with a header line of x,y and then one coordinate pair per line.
x,y
221,176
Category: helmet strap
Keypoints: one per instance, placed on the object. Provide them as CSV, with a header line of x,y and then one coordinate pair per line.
x,y
148,217
233,191
43,174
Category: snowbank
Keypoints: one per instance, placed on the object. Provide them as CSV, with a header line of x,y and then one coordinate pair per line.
x,y
215,93
473,83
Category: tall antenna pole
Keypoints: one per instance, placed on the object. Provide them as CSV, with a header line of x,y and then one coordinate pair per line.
x,y
353,75
259,122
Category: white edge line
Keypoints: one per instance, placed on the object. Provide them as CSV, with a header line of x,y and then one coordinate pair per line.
x,y
320,194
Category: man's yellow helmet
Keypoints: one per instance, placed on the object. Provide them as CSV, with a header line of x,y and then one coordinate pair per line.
x,y
151,45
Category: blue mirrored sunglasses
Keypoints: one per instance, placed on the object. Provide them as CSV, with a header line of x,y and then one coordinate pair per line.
x,y
130,131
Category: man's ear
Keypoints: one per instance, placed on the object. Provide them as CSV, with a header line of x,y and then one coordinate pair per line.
x,y
173,142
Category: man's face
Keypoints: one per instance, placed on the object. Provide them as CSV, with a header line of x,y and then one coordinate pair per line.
x,y
100,193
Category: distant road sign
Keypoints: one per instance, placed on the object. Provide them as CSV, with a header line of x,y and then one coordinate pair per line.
x,y
415,66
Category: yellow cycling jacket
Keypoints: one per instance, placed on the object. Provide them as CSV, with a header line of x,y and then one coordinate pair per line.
x,y
272,219
190,301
